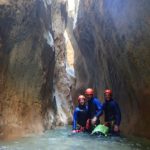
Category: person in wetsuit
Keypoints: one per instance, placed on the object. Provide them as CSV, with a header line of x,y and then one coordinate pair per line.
x,y
112,112
80,115
94,109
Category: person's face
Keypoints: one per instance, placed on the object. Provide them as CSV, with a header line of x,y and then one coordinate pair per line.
x,y
82,102
107,96
89,96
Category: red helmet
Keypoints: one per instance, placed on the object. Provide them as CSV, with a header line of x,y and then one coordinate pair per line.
x,y
89,91
108,91
81,97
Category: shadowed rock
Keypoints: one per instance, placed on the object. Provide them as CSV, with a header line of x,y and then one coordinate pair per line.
x,y
113,37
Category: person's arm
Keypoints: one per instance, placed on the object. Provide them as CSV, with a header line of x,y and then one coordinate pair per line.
x,y
99,111
99,108
75,119
103,106
117,114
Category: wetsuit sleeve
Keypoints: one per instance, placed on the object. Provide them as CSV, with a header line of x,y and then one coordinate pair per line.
x,y
99,108
117,114
75,119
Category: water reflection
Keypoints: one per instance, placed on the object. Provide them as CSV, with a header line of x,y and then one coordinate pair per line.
x,y
61,139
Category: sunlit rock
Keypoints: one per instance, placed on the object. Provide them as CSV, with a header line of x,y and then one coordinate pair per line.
x,y
34,85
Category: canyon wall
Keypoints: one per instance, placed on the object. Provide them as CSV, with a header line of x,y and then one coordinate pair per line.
x,y
37,54
114,43
34,85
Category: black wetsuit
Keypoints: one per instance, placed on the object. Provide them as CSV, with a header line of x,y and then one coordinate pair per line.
x,y
80,116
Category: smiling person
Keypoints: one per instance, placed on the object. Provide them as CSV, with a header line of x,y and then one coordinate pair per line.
x,y
80,115
112,112
94,109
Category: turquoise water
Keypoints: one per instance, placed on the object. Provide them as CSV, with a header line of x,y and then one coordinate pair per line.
x,y
61,139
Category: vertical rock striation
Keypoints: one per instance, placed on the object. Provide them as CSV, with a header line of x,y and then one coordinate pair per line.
x,y
27,61
62,82
34,86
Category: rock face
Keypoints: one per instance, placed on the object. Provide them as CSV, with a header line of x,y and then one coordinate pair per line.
x,y
113,37
62,81
36,72
32,60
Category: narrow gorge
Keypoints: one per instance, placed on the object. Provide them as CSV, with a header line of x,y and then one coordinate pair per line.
x,y
51,50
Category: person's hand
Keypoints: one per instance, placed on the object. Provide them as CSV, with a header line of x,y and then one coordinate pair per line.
x,y
93,121
116,128
88,124
82,129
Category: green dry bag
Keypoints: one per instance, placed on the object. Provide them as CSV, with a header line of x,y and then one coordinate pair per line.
x,y
102,129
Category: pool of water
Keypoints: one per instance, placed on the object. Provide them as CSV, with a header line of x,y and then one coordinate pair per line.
x,y
62,139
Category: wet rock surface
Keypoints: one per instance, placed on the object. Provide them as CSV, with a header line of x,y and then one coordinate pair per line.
x,y
26,67
32,60
113,37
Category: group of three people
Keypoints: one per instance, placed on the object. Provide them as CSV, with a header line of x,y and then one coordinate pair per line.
x,y
89,110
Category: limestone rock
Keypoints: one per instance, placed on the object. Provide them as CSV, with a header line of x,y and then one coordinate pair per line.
x,y
35,86
113,37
